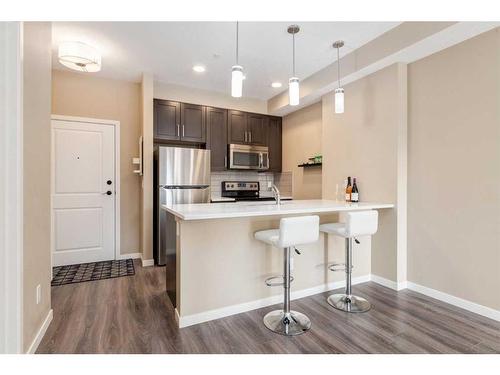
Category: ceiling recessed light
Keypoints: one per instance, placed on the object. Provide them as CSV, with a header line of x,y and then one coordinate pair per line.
x,y
276,84
199,68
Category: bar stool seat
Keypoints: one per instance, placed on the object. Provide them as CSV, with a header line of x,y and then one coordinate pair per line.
x,y
359,223
293,231
270,236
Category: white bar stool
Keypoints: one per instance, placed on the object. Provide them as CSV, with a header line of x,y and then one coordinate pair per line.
x,y
293,231
358,223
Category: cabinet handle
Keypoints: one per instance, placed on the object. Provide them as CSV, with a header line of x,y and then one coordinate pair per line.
x,y
225,161
178,131
245,136
182,130
250,136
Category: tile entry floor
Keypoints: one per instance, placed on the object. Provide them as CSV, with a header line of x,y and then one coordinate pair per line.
x,y
133,315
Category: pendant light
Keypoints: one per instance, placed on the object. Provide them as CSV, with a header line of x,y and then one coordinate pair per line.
x,y
339,91
293,83
237,72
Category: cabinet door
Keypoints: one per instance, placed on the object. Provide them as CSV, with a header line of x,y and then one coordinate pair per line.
x,y
274,143
257,129
167,119
237,126
217,138
193,127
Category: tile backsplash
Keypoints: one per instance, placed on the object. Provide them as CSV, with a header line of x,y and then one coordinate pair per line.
x,y
282,180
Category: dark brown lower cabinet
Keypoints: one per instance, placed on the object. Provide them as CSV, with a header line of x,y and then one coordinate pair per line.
x,y
217,137
274,144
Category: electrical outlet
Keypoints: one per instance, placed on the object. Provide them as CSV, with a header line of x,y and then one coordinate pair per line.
x,y
38,294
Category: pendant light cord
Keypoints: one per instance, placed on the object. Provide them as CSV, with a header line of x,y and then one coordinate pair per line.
x,y
338,67
237,38
293,53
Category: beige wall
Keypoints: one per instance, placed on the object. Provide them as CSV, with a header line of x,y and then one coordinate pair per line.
x,y
78,94
205,97
36,176
301,136
454,170
364,142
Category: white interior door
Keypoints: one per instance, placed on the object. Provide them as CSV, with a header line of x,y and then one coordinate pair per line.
x,y
83,192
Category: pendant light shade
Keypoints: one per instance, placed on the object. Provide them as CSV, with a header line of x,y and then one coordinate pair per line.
x,y
339,100
237,81
293,83
79,56
237,71
293,91
339,91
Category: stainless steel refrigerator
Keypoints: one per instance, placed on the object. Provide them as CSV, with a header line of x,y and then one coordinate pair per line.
x,y
182,175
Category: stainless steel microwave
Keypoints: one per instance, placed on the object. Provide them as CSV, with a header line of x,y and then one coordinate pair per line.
x,y
248,157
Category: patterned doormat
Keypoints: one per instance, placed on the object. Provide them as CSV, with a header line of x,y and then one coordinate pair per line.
x,y
79,273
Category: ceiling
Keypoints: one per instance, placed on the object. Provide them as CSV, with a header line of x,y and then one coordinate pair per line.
x,y
169,50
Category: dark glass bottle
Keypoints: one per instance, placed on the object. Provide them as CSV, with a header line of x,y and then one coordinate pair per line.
x,y
355,191
348,190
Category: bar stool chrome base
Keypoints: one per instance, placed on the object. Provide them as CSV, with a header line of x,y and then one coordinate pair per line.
x,y
352,304
288,324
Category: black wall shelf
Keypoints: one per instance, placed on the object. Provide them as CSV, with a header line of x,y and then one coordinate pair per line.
x,y
305,165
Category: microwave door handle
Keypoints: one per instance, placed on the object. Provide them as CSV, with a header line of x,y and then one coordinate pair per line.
x,y
260,160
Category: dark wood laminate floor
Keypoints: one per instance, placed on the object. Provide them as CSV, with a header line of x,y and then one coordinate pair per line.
x,y
133,315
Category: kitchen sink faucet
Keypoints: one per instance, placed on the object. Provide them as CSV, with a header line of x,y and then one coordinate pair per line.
x,y
277,195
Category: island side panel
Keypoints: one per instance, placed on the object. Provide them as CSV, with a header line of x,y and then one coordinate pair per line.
x,y
220,264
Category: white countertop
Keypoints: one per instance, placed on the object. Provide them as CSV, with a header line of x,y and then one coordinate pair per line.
x,y
203,211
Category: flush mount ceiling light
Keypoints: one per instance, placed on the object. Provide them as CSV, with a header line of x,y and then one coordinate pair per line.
x,y
339,91
276,85
79,56
237,72
293,83
199,68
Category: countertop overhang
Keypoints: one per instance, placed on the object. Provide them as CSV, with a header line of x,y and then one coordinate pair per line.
x,y
204,211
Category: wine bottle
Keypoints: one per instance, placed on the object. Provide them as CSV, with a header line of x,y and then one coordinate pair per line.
x,y
348,190
355,191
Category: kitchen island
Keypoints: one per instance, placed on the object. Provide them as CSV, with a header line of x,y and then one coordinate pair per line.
x,y
220,268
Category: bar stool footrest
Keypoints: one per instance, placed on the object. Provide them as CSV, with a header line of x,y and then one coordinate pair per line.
x,y
269,281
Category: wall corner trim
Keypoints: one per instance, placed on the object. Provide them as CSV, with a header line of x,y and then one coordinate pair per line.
x,y
41,332
147,262
389,283
189,320
476,308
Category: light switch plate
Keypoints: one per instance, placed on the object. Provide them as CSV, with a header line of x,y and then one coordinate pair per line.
x,y
38,294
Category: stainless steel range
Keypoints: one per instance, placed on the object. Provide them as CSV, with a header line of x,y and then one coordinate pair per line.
x,y
242,191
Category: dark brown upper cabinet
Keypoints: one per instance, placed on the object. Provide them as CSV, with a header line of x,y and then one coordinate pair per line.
x,y
274,143
247,128
180,122
193,125
237,126
257,128
167,119
217,137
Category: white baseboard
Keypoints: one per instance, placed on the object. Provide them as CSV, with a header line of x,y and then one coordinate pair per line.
x,y
456,301
147,262
189,320
389,283
129,256
41,332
